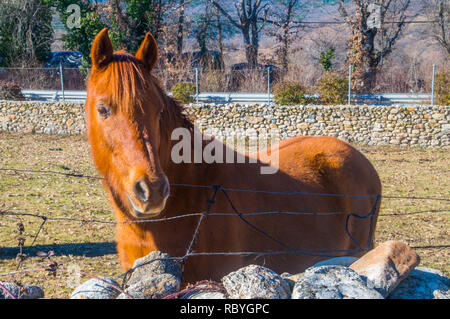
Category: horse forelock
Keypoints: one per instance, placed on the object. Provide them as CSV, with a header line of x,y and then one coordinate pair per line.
x,y
122,83
126,86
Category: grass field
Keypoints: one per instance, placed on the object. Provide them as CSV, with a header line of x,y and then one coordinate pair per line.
x,y
89,247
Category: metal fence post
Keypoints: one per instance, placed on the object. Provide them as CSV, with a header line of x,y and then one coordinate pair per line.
x,y
196,85
432,85
61,71
268,85
349,84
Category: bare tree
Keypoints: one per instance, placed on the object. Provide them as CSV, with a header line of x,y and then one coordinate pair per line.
x,y
202,29
438,11
372,41
249,15
219,33
180,28
283,19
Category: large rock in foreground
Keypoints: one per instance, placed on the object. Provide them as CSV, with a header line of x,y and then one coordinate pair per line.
x,y
337,261
155,276
153,264
333,282
96,289
155,287
423,283
24,292
256,282
387,265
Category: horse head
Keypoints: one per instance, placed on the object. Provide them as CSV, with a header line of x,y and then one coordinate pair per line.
x,y
123,113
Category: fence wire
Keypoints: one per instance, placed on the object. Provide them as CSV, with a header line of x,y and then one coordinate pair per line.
x,y
216,189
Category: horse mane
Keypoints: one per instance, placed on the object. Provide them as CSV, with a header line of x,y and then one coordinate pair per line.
x,y
174,113
125,81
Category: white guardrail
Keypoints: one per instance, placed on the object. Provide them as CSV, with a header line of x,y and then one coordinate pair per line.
x,y
241,97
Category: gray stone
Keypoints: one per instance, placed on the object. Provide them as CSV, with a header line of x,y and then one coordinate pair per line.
x,y
333,282
34,292
155,287
256,282
445,127
155,263
96,289
21,292
338,261
423,283
205,292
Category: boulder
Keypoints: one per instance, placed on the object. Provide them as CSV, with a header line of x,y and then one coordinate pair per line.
x,y
207,290
423,283
256,282
21,292
155,263
333,282
338,261
155,287
387,265
205,294
96,289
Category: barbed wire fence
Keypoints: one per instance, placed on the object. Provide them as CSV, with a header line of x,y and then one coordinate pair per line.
x,y
52,266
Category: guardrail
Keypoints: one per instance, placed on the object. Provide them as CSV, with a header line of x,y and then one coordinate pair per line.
x,y
242,97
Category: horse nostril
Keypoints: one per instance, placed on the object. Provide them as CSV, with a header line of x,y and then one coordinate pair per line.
x,y
142,192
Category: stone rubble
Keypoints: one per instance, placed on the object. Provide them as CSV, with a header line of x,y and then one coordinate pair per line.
x,y
387,271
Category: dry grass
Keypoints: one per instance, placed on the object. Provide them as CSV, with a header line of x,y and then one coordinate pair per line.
x,y
90,246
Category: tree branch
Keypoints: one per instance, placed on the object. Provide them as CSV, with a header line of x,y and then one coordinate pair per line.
x,y
219,7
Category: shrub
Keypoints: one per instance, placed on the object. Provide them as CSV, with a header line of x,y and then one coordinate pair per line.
x,y
325,59
290,93
442,88
10,91
184,92
332,89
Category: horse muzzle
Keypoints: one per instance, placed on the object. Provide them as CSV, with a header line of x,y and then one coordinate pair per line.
x,y
148,199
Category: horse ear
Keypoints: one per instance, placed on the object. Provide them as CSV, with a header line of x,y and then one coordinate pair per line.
x,y
148,52
102,49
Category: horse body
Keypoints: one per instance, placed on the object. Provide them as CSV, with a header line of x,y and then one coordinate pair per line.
x,y
310,165
134,150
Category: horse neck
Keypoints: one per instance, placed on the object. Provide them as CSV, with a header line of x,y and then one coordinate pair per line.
x,y
197,173
202,173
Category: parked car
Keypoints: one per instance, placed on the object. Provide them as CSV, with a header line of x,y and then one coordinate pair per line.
x,y
69,59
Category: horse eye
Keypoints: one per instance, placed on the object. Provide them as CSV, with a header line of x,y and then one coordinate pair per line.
x,y
103,111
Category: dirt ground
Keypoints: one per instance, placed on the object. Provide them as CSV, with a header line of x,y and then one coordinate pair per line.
x,y
89,247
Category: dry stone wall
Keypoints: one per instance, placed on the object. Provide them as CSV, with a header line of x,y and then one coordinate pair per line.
x,y
373,125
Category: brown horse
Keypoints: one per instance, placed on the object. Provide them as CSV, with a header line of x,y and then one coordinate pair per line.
x,y
130,121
